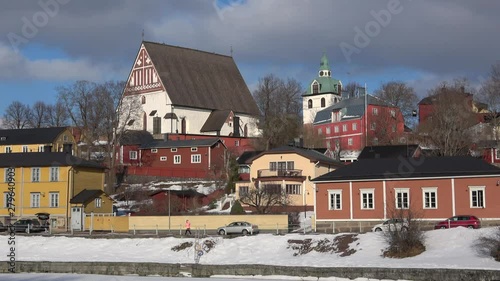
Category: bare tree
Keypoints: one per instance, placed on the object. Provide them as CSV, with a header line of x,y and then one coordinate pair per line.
x,y
281,104
385,124
38,116
266,197
489,93
351,89
448,127
57,115
400,95
16,116
311,137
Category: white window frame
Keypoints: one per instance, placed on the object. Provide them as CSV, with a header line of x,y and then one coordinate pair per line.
x,y
293,189
475,189
236,143
35,199
328,130
132,155
402,191
349,141
6,196
374,111
320,132
344,128
177,159
54,173
41,148
35,174
163,158
354,126
154,150
337,193
336,129
195,158
373,126
367,191
393,113
54,199
98,202
25,148
8,149
194,149
173,149
424,198
497,153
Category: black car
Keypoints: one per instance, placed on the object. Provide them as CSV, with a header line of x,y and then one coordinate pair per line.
x,y
27,225
2,227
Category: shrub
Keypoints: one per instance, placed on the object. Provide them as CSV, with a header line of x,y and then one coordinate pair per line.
x,y
237,209
490,245
406,241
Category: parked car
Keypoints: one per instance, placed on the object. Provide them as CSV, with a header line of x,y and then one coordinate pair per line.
x,y
462,220
2,227
23,225
391,225
238,227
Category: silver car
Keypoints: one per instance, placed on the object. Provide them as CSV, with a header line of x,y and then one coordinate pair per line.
x,y
238,227
391,225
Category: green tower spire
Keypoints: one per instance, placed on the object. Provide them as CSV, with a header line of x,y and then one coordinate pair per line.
x,y
324,65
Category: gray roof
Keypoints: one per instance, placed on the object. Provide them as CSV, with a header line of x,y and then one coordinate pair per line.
x,y
45,159
86,196
351,107
201,79
311,154
136,137
30,136
215,121
180,143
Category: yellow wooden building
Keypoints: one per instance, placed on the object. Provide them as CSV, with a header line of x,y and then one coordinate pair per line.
x,y
55,183
55,139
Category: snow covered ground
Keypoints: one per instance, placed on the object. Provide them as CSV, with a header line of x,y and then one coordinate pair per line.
x,y
447,248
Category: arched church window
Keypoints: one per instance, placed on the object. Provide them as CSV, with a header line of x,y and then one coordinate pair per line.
x,y
143,99
309,104
315,88
322,102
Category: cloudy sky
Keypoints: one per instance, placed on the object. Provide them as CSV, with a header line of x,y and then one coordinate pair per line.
x,y
47,43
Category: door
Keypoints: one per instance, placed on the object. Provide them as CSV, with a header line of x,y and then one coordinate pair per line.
x,y
76,218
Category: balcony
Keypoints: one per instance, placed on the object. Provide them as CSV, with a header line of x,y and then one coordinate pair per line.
x,y
266,173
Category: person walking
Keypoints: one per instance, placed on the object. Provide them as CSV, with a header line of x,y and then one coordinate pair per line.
x,y
188,227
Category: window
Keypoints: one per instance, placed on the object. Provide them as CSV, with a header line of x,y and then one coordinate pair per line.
x,y
335,199
373,126
344,128
194,149
244,170
98,202
375,111
156,125
173,150
272,166
402,198
35,200
367,202
354,126
65,138
375,141
54,173
54,199
349,141
293,189
272,188
393,113
35,174
177,159
143,99
309,104
243,190
40,148
8,149
132,155
320,132
497,153
237,143
196,158
477,197
328,130
290,165
25,148
315,88
154,150
322,102
430,197
163,158
6,201
336,129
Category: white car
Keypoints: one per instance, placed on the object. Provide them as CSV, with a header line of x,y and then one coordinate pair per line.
x,y
391,225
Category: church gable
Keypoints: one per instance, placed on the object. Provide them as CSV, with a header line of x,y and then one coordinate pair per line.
x,y
143,78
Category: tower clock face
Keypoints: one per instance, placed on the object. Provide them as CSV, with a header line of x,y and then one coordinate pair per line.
x,y
321,73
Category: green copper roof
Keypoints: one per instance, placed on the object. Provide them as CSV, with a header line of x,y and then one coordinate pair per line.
x,y
324,65
327,85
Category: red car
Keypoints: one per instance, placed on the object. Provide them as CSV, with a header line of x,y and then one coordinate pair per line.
x,y
456,221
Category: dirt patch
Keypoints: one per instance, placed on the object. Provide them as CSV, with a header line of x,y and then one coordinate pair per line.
x,y
339,245
412,251
209,244
182,246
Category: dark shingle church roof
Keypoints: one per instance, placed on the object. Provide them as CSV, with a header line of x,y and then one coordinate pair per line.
x,y
201,79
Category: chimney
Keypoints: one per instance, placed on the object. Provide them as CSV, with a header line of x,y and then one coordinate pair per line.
x,y
236,126
47,148
67,148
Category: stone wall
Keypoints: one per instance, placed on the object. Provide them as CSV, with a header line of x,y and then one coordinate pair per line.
x,y
201,270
